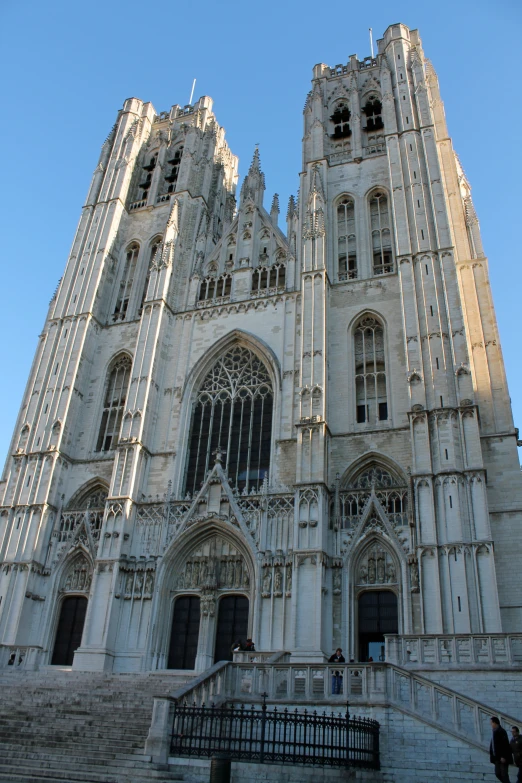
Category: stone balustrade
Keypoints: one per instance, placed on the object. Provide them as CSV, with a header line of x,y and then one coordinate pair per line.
x,y
459,649
16,657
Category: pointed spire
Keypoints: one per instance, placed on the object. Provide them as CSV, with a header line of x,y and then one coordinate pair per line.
x,y
274,209
254,184
290,212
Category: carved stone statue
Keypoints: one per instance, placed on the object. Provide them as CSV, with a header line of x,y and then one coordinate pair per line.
x,y
380,566
278,582
414,577
149,584
391,575
363,573
129,581
371,569
289,579
195,573
337,581
267,582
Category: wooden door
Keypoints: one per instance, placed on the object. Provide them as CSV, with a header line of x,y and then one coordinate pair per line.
x,y
232,625
185,633
377,615
70,630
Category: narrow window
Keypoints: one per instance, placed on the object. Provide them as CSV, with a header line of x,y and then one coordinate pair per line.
x,y
172,176
458,599
46,408
147,177
427,272
346,243
83,268
65,334
114,404
38,442
153,250
381,234
28,481
56,369
431,309
422,233
446,451
437,362
127,278
18,522
75,298
441,401
370,376
418,204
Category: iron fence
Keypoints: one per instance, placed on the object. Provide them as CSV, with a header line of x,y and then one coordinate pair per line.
x,y
276,736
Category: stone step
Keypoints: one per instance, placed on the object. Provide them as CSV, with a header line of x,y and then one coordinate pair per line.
x,y
11,750
27,774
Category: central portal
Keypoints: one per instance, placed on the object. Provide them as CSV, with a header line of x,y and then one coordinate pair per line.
x,y
377,616
232,625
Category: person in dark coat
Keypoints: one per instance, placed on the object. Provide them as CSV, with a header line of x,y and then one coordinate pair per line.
x,y
516,749
337,677
500,751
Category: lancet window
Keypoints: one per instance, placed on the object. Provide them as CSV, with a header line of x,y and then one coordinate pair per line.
x,y
265,278
370,373
215,287
346,242
153,250
373,112
147,176
381,234
233,414
172,176
341,121
127,278
114,403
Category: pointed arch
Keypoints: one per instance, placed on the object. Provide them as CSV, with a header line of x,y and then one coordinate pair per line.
x,y
374,460
114,399
92,494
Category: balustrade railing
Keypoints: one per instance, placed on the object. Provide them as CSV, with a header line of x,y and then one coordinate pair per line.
x,y
463,649
19,657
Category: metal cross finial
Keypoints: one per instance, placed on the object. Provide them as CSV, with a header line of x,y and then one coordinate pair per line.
x,y
218,454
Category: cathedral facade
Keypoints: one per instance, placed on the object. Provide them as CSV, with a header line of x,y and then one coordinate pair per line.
x,y
234,427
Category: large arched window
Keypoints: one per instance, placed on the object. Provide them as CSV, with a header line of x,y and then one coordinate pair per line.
x,y
233,413
381,234
127,278
114,403
346,247
370,374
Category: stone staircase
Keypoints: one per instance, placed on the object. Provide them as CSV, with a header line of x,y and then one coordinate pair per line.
x,y
80,727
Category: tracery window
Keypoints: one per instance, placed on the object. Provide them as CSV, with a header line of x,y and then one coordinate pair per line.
x,y
233,413
346,242
127,278
341,121
215,287
391,491
370,375
114,403
172,176
381,234
373,112
153,249
267,277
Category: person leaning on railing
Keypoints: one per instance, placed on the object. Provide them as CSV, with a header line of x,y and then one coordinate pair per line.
x,y
337,677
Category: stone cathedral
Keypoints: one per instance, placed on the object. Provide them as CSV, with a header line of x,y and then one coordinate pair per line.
x,y
237,425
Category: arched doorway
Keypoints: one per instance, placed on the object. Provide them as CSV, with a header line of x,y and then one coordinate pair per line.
x,y
232,624
70,630
377,614
185,633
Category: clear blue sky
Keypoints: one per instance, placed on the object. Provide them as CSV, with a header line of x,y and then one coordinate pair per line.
x,y
68,66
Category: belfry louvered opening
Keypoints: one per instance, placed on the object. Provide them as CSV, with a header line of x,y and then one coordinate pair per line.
x,y
233,414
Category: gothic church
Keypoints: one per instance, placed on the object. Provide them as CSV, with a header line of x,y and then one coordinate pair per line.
x,y
238,426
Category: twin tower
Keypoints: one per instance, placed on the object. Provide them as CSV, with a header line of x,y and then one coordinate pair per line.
x,y
239,427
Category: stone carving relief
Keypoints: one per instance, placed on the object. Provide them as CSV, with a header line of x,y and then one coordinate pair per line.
x,y
78,576
376,567
215,564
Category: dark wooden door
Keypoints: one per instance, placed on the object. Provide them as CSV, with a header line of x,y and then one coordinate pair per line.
x,y
70,630
377,615
232,625
185,633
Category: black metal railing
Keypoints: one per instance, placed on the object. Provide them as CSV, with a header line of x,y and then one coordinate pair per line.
x,y
276,736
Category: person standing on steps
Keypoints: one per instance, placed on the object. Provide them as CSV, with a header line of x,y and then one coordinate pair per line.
x,y
516,749
500,751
